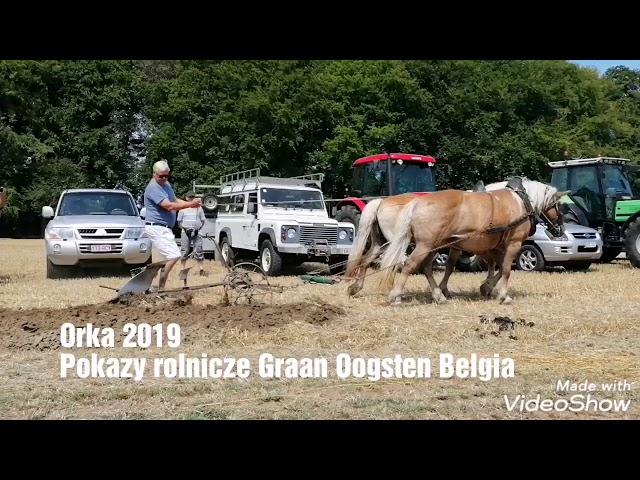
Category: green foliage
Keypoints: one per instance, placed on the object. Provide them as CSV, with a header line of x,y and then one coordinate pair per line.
x,y
68,124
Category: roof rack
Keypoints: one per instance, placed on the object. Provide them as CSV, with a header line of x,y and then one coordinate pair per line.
x,y
312,177
243,178
238,176
589,161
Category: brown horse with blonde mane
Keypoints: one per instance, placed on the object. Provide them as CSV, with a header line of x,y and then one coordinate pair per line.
x,y
492,224
380,222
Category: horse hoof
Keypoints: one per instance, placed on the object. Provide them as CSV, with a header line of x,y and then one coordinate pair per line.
x,y
446,293
396,301
506,301
439,298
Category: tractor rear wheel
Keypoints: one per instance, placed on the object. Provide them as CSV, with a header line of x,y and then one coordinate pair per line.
x,y
632,242
349,213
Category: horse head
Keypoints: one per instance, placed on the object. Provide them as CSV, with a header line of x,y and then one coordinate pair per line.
x,y
544,200
540,199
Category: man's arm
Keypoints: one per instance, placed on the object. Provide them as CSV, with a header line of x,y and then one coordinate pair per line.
x,y
179,204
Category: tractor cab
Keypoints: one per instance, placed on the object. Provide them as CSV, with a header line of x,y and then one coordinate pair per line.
x,y
384,175
393,174
604,196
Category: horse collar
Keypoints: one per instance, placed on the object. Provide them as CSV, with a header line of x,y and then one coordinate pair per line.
x,y
515,184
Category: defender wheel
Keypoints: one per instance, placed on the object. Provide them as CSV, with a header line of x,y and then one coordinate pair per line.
x,y
270,259
470,263
227,252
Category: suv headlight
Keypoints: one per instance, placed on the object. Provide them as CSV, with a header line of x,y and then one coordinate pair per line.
x,y
288,232
133,233
59,234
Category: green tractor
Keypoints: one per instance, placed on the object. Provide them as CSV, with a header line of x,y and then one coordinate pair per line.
x,y
605,197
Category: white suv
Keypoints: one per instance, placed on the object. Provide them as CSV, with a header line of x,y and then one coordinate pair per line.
x,y
94,227
284,220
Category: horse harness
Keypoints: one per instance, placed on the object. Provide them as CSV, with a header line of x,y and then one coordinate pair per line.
x,y
515,184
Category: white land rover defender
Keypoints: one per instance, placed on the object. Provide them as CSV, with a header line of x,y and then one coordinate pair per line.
x,y
283,220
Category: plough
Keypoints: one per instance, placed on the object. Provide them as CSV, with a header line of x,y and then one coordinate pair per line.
x,y
244,282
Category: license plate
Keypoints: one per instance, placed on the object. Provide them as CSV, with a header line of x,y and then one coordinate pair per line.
x,y
100,248
591,244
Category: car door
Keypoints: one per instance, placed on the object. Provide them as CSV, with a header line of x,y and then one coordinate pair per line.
x,y
250,224
237,220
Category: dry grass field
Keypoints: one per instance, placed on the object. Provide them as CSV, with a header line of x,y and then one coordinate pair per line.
x,y
586,326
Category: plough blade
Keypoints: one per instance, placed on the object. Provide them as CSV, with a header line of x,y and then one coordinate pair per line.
x,y
142,281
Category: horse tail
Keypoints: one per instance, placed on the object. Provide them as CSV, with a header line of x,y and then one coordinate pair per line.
x,y
368,221
396,252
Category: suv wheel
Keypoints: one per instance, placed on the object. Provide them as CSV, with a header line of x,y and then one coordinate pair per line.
x,y
529,259
56,271
270,259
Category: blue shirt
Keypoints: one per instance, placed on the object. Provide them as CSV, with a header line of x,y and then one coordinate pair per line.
x,y
154,194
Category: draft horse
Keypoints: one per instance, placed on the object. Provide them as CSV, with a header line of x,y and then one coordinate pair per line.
x,y
492,224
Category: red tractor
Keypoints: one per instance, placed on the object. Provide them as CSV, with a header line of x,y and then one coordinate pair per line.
x,y
385,175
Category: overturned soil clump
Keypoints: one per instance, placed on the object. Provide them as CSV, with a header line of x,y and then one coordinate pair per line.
x,y
504,324
39,329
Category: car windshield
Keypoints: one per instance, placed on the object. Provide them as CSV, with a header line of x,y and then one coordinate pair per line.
x,y
289,198
93,203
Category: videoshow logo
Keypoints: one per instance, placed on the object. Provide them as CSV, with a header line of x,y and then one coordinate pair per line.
x,y
579,402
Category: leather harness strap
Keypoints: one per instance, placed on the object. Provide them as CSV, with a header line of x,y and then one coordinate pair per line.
x,y
515,185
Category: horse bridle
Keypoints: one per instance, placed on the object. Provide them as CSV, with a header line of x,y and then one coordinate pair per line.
x,y
556,229
515,184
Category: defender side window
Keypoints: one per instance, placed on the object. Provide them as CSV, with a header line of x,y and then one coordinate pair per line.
x,y
224,204
237,203
253,198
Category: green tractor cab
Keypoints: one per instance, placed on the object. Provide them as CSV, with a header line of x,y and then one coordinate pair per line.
x,y
604,196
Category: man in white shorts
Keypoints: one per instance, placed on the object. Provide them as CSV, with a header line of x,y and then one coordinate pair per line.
x,y
160,203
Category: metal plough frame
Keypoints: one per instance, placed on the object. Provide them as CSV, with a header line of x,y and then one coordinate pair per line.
x,y
244,282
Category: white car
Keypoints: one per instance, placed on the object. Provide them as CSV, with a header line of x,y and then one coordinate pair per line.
x,y
282,220
94,227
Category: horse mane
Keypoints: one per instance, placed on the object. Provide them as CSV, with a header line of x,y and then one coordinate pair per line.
x,y
540,194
